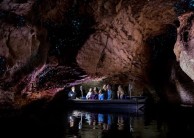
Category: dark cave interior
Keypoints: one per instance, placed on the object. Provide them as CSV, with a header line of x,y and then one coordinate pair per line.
x,y
162,57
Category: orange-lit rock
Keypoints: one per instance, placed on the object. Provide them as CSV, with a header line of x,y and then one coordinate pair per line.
x,y
118,45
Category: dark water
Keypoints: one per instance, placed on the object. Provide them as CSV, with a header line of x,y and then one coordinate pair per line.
x,y
161,122
97,125
175,123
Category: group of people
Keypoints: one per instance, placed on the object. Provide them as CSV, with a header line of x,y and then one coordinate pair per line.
x,y
104,93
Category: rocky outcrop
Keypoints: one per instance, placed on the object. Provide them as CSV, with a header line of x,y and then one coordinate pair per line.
x,y
119,44
180,88
18,46
38,38
19,7
184,51
116,47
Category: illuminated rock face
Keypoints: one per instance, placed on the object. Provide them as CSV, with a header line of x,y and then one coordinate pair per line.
x,y
119,44
184,50
116,47
45,46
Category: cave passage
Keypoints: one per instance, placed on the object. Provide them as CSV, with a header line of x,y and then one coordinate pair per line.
x,y
162,57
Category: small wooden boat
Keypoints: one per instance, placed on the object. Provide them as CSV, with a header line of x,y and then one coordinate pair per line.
x,y
134,103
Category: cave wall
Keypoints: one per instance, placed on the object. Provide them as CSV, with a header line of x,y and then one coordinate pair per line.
x,y
119,49
116,47
24,48
184,45
184,56
46,45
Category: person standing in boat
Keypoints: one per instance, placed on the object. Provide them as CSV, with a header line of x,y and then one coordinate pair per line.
x,y
72,94
94,93
88,96
130,87
81,93
100,95
109,92
120,93
104,91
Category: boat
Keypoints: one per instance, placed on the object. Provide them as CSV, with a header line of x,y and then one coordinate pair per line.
x,y
134,103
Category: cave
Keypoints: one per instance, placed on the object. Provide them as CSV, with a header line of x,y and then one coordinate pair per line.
x,y
162,59
48,46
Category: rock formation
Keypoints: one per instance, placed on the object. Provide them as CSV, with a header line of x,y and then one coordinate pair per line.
x,y
48,45
184,55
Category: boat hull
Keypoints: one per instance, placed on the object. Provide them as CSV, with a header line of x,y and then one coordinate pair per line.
x,y
133,104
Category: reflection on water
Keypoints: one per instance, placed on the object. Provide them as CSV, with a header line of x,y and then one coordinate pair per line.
x,y
48,123
92,125
101,125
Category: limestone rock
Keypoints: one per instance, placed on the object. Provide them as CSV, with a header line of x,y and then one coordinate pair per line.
x,y
184,48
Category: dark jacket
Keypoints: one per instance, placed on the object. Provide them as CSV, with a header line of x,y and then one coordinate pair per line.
x,y
72,95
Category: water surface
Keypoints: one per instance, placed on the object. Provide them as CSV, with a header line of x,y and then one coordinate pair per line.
x,y
162,122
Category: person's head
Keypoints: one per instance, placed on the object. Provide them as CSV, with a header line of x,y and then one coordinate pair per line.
x,y
90,90
108,87
81,87
73,89
104,87
95,89
119,88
